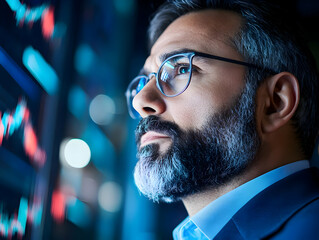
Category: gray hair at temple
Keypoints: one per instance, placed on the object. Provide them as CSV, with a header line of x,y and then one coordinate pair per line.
x,y
269,38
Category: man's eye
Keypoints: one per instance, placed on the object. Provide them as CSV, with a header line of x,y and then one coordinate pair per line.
x,y
183,69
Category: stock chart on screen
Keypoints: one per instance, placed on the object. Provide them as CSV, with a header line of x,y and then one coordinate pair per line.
x,y
22,156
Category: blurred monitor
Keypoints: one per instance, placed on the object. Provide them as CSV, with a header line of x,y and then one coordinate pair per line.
x,y
22,156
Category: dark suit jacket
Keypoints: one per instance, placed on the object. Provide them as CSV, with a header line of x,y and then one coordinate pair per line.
x,y
287,210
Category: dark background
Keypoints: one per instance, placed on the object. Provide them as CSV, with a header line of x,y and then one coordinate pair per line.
x,y
98,46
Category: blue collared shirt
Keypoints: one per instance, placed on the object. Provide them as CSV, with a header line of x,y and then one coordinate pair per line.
x,y
210,220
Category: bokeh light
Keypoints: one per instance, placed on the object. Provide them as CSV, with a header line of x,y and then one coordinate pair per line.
x,y
102,109
77,153
41,70
110,196
77,101
84,58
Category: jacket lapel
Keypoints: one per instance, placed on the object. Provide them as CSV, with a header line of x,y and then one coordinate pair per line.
x,y
271,208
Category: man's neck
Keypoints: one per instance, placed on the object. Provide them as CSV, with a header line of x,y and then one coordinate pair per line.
x,y
195,202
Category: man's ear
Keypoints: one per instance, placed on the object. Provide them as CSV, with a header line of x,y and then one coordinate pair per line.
x,y
280,101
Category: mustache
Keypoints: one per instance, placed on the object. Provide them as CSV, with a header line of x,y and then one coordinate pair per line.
x,y
154,123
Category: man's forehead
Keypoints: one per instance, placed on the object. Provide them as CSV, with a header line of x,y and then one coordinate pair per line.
x,y
204,31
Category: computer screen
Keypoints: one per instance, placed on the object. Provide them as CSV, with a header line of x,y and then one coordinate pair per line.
x,y
22,156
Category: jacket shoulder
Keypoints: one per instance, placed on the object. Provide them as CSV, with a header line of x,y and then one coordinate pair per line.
x,y
304,224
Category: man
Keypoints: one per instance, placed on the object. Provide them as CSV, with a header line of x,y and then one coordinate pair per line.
x,y
229,107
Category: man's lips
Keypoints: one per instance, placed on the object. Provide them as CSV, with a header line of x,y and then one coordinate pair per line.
x,y
152,136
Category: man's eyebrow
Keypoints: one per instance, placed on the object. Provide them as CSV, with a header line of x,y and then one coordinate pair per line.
x,y
164,56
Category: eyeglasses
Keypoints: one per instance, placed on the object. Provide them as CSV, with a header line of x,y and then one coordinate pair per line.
x,y
174,76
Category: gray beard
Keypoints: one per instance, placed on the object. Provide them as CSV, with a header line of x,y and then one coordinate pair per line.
x,y
198,159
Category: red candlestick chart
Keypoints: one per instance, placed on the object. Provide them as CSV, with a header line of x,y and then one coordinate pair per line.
x,y
26,14
11,121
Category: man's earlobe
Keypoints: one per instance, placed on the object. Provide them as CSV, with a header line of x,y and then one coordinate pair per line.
x,y
282,99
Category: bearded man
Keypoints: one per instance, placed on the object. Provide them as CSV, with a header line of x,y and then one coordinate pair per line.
x,y
228,101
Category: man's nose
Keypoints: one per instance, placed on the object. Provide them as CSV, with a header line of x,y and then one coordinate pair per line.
x,y
149,101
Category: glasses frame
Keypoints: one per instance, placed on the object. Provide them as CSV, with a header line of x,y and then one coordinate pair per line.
x,y
190,56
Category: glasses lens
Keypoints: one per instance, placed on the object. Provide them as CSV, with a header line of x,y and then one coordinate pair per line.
x,y
133,89
174,75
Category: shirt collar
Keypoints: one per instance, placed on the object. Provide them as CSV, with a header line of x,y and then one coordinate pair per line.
x,y
211,219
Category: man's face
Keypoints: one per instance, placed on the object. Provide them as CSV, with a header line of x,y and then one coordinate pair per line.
x,y
199,138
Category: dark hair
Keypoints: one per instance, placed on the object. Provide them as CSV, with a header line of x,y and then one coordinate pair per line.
x,y
268,38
